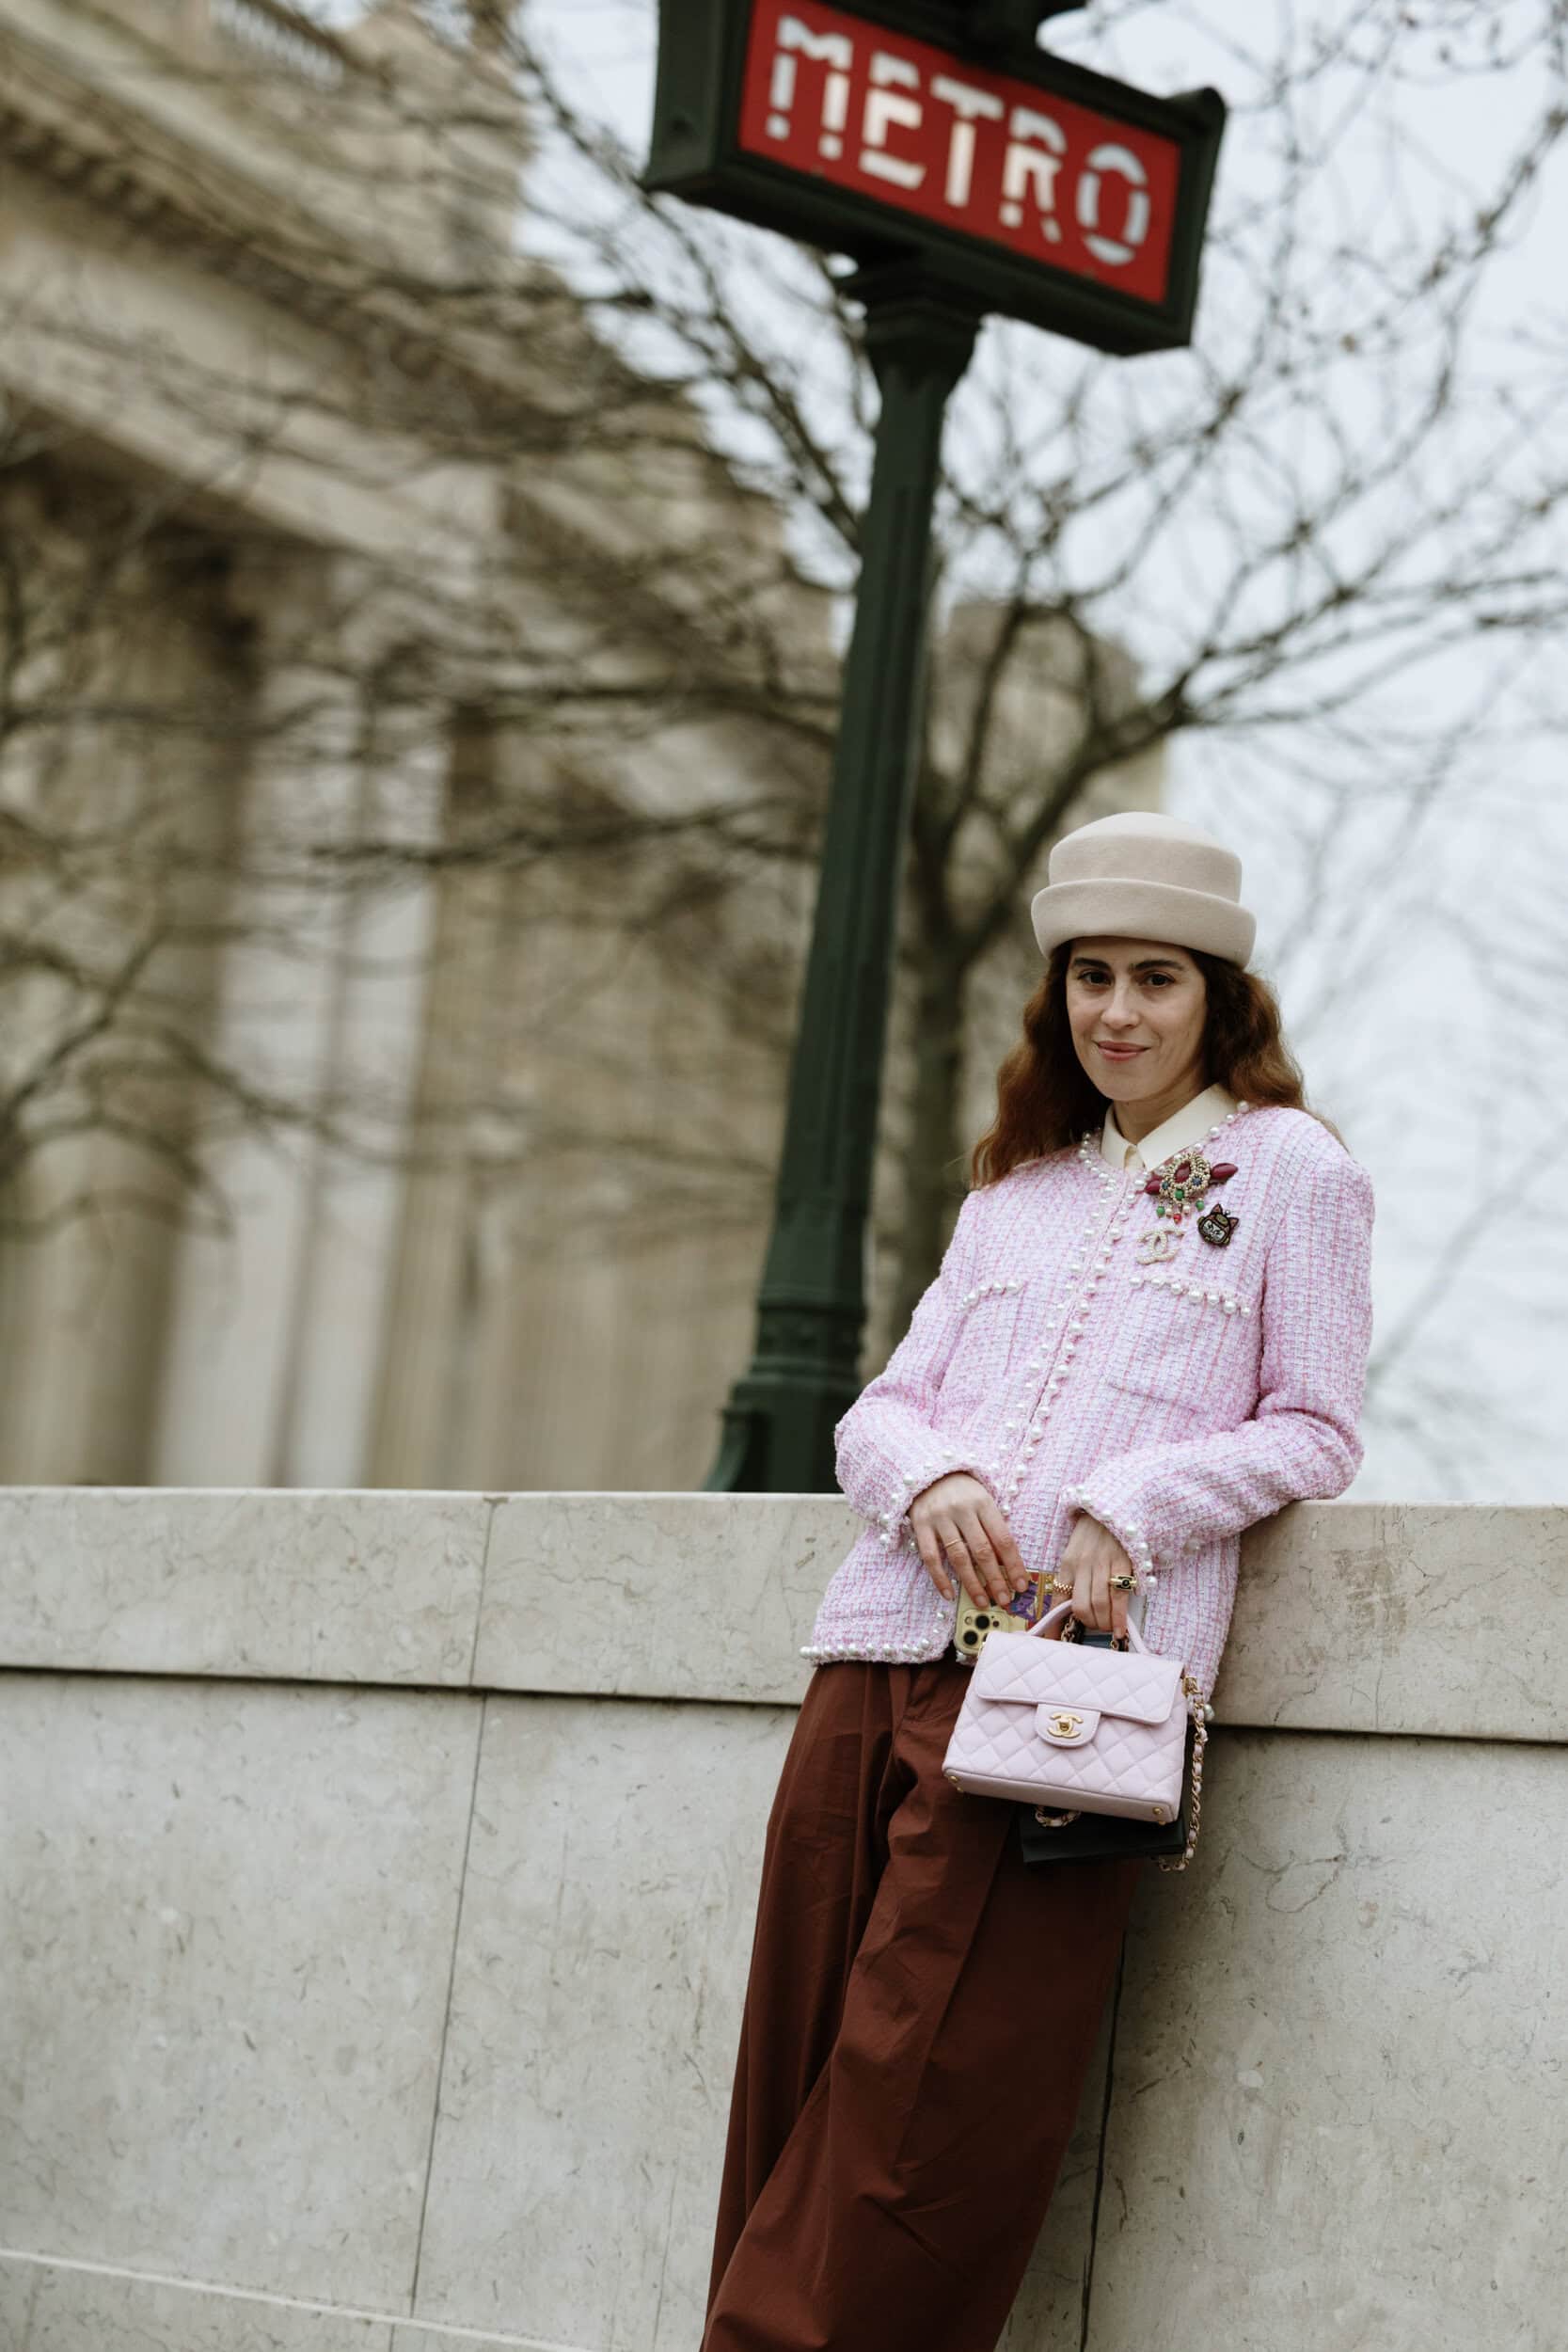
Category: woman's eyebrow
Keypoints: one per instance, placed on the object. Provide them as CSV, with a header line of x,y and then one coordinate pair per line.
x,y
1145,964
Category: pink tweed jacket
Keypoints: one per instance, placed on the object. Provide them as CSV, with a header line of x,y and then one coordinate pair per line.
x,y
1176,1403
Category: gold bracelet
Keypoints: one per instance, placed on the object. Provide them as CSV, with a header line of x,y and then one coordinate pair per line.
x,y
1064,1589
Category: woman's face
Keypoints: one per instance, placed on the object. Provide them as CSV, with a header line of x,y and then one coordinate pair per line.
x,y
1141,994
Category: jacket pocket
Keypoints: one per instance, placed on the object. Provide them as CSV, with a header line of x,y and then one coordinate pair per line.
x,y
987,1339
1181,1339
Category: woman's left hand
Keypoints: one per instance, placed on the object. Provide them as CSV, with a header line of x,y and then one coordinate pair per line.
x,y
1091,1558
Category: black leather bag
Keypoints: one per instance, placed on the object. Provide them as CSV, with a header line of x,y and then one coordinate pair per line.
x,y
1103,1837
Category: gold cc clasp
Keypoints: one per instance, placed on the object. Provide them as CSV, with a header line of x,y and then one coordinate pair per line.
x,y
1065,1724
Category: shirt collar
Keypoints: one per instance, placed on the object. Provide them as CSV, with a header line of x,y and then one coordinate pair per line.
x,y
1182,1131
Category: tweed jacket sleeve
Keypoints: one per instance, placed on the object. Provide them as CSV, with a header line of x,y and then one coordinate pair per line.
x,y
885,1446
1162,1501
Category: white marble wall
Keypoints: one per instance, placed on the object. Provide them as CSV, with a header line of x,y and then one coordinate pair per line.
x,y
230,1918
1340,2093
1436,1618
375,1944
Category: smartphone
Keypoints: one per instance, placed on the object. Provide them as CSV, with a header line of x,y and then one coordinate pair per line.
x,y
974,1619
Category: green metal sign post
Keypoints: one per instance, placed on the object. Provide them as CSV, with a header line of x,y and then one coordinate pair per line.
x,y
779,1422
965,171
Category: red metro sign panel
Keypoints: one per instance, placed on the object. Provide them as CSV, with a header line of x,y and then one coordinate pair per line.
x,y
909,126
1036,189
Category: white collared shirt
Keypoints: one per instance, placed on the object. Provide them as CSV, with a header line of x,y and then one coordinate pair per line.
x,y
1182,1131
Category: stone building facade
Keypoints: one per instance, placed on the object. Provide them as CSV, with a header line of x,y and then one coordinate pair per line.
x,y
380,1109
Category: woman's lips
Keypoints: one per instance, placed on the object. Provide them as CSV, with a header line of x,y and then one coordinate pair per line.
x,y
1120,1053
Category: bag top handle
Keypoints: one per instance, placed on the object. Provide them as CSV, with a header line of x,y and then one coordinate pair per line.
x,y
1061,1610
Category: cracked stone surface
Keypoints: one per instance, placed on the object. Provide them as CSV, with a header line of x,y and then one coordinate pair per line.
x,y
675,1596
45,2307
229,1912
1440,1618
304,1587
1341,2085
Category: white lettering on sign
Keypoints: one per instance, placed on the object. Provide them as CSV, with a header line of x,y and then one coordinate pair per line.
x,y
1035,146
883,108
780,96
969,106
1116,251
833,50
919,131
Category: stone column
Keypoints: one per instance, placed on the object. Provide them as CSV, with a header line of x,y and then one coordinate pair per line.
x,y
343,1301
276,1324
127,799
429,1359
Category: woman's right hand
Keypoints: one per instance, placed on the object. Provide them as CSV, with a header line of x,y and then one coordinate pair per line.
x,y
960,1530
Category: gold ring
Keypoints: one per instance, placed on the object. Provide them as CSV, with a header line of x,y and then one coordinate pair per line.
x,y
1124,1584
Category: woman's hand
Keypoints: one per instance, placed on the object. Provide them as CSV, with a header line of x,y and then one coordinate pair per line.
x,y
960,1530
1091,1558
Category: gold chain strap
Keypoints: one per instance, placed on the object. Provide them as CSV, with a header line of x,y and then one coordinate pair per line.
x,y
1200,1739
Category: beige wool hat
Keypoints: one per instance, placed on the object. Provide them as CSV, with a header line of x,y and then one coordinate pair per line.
x,y
1143,875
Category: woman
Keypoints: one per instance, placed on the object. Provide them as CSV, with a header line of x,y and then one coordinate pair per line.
x,y
1119,1366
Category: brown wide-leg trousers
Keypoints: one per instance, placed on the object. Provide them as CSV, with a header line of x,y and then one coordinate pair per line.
x,y
919,2015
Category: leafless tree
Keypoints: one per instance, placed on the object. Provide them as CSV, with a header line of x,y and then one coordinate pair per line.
x,y
1311,561
567,634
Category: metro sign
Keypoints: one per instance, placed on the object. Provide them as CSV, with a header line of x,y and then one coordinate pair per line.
x,y
905,126
1043,190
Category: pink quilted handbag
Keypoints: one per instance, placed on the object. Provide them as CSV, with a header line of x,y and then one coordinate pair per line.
x,y
1065,1727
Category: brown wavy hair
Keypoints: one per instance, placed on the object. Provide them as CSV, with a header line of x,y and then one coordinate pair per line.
x,y
1045,1098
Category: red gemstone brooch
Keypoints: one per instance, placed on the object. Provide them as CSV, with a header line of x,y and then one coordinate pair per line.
x,y
1179,1185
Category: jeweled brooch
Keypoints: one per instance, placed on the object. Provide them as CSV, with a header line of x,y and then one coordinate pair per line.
x,y
1179,1184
